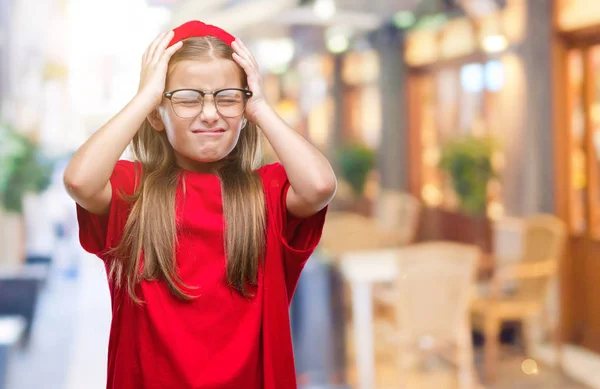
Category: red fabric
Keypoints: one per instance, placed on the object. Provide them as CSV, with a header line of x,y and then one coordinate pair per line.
x,y
220,339
197,28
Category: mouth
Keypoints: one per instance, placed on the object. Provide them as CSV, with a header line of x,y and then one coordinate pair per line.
x,y
209,132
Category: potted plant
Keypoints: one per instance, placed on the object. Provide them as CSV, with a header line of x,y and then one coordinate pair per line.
x,y
356,162
24,169
468,163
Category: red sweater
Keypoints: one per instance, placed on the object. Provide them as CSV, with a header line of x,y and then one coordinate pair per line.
x,y
220,339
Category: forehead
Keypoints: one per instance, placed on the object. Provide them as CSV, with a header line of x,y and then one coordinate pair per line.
x,y
208,75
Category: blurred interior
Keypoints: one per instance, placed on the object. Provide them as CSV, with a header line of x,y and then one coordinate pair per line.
x,y
462,247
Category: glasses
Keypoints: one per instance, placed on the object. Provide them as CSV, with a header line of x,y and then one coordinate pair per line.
x,y
229,103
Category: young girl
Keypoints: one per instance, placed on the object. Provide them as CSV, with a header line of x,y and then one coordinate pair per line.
x,y
203,248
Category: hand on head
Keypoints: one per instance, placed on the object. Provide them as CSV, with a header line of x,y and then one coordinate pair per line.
x,y
155,63
247,61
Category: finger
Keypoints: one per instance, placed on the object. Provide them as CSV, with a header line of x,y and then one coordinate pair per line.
x,y
245,52
152,47
161,46
168,53
252,76
153,43
249,53
238,42
251,65
244,63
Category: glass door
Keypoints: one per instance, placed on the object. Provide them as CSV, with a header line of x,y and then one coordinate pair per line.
x,y
584,140
593,138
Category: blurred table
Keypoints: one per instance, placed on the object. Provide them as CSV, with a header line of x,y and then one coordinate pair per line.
x,y
361,270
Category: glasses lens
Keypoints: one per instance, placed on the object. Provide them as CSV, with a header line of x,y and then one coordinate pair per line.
x,y
186,103
230,102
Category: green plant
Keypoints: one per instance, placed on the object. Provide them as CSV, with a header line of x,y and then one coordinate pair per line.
x,y
355,162
468,162
23,168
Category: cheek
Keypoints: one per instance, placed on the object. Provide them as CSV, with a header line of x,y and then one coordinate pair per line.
x,y
234,124
173,125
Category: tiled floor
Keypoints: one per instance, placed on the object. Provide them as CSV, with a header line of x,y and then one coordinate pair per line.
x,y
43,363
70,337
510,376
68,349
438,374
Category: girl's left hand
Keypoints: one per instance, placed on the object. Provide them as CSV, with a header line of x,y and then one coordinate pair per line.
x,y
246,60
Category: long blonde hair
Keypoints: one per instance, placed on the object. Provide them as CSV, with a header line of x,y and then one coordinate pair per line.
x,y
151,226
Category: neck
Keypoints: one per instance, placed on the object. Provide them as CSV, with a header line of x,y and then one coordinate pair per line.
x,y
198,167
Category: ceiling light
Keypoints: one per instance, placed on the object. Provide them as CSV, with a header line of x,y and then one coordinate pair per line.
x,y
338,43
275,54
495,43
324,9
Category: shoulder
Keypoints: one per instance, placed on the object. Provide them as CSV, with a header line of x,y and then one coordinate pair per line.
x,y
272,172
127,167
126,175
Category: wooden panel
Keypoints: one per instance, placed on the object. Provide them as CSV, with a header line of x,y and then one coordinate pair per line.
x,y
580,313
588,96
415,146
592,138
562,110
346,118
580,269
439,224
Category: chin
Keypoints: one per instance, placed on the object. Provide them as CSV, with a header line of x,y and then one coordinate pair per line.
x,y
207,155
206,159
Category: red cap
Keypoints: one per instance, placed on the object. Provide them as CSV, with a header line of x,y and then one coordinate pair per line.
x,y
197,28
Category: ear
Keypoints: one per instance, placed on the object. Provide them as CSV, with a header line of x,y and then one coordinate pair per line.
x,y
156,121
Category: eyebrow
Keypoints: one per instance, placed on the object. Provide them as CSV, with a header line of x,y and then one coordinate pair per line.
x,y
207,90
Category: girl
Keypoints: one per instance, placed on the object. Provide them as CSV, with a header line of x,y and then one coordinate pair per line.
x,y
202,247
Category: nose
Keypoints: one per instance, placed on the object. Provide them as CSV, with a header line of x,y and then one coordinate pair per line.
x,y
209,112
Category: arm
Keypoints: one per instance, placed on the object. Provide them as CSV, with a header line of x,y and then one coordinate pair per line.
x,y
87,175
312,180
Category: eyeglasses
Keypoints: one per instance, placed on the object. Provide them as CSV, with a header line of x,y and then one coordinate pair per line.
x,y
229,102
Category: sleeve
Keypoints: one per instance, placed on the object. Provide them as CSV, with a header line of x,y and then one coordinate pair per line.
x,y
299,237
99,233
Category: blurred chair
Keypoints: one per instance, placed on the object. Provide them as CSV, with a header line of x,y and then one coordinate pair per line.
x,y
344,196
518,289
434,288
395,224
398,213
507,240
348,231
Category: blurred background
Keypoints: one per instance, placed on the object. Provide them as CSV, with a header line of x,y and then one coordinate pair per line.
x,y
462,248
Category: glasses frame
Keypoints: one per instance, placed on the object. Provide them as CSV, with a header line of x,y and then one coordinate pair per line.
x,y
247,95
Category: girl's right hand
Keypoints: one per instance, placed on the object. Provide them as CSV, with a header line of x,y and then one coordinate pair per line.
x,y
154,67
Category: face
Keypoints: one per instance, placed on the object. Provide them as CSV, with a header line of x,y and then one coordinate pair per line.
x,y
201,141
